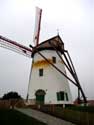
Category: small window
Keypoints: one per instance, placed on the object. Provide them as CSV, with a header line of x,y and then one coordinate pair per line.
x,y
60,96
40,72
54,59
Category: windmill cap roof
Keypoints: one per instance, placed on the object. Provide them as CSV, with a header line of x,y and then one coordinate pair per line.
x,y
50,44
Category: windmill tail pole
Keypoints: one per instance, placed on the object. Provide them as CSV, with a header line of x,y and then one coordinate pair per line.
x,y
72,70
77,80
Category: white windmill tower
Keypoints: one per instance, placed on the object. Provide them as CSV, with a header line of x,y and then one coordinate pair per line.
x,y
48,82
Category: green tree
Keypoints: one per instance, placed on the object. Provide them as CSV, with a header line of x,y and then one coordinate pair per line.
x,y
13,98
11,95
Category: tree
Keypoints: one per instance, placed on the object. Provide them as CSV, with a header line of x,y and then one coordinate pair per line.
x,y
11,95
13,98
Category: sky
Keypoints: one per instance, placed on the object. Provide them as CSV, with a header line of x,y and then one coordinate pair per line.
x,y
73,19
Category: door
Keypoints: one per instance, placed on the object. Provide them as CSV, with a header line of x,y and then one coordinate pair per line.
x,y
40,96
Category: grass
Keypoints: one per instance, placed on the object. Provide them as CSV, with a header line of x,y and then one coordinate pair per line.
x,y
81,108
12,117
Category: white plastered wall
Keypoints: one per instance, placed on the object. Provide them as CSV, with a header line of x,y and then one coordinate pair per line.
x,y
51,81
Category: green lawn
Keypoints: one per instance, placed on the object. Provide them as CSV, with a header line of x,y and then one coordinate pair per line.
x,y
89,109
12,117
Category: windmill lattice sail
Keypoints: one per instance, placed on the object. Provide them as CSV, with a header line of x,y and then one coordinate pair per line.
x,y
37,26
14,46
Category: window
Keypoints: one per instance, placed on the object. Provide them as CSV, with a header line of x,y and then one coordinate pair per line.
x,y
40,72
60,96
54,59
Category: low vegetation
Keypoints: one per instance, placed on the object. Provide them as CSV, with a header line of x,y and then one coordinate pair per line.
x,y
11,95
89,109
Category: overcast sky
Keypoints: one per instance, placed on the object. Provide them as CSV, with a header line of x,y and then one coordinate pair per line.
x,y
74,20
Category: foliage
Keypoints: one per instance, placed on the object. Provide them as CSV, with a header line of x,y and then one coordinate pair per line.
x,y
81,108
11,95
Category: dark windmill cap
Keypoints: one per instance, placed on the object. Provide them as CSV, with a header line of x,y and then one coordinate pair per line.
x,y
54,43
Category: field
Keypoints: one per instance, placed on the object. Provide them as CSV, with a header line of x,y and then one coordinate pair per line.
x,y
12,117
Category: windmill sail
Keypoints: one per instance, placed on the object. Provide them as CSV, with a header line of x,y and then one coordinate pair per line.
x,y
37,26
14,46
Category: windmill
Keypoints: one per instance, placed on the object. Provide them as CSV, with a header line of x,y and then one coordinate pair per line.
x,y
48,83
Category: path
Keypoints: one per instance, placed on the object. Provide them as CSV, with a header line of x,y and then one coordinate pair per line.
x,y
45,118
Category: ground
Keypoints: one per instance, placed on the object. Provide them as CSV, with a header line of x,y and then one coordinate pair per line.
x,y
12,117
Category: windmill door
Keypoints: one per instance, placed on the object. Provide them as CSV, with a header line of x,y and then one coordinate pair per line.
x,y
40,96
